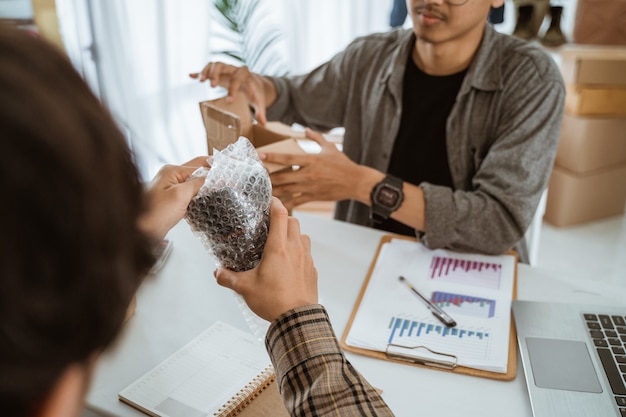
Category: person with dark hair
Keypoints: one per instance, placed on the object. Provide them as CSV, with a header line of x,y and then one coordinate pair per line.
x,y
78,232
451,128
79,229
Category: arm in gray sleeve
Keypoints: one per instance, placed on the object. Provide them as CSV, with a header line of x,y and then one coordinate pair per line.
x,y
322,98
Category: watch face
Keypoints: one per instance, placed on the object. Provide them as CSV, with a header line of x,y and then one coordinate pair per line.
x,y
388,196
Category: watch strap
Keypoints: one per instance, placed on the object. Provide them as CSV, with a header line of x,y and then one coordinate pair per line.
x,y
379,211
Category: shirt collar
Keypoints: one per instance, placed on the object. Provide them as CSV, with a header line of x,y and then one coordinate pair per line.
x,y
484,72
394,76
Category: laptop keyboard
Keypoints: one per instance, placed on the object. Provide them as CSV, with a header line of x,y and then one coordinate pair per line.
x,y
609,337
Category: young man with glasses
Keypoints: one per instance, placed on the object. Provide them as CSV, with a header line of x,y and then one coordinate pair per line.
x,y
451,128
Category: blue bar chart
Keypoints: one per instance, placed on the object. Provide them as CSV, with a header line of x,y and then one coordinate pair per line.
x,y
464,304
466,342
465,271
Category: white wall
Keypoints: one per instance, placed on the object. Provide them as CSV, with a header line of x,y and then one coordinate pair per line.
x,y
16,9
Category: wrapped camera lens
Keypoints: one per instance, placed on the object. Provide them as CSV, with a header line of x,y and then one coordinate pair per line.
x,y
230,213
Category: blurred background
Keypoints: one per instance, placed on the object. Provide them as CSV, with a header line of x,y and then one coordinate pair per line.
x,y
137,54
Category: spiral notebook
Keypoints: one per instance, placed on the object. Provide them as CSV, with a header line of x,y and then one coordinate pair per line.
x,y
222,372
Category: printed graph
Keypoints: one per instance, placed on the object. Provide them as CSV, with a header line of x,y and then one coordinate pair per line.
x,y
464,304
464,271
465,342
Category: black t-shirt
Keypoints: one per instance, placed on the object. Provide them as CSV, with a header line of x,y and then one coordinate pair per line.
x,y
419,153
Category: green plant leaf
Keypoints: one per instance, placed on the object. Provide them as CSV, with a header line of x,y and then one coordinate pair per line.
x,y
257,39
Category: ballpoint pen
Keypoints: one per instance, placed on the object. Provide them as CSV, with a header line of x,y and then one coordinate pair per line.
x,y
437,312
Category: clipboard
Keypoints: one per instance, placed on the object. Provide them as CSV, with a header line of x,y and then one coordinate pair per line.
x,y
429,358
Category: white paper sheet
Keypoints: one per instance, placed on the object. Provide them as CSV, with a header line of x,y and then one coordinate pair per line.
x,y
475,290
200,378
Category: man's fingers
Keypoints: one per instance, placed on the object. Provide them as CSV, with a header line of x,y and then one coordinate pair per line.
x,y
239,76
257,100
259,114
293,229
306,243
318,138
178,174
214,72
198,161
203,74
233,88
226,278
193,186
288,192
284,158
278,222
185,172
299,200
299,179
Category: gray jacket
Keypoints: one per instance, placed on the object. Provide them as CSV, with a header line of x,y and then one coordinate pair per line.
x,y
501,134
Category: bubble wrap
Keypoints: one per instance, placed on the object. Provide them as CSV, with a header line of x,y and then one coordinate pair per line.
x,y
230,213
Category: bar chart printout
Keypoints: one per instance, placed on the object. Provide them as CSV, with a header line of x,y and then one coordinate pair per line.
x,y
466,343
464,271
464,304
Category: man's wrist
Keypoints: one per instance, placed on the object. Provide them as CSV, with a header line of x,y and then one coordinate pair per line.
x,y
299,335
269,90
366,181
386,197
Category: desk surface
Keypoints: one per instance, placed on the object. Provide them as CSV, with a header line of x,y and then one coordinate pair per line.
x,y
181,301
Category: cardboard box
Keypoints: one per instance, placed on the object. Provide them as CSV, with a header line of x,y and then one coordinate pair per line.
x,y
585,101
225,122
598,22
578,198
289,146
594,66
588,144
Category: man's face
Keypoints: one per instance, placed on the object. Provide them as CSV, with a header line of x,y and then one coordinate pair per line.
x,y
440,21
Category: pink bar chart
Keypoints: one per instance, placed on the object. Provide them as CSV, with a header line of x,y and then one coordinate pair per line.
x,y
464,271
464,304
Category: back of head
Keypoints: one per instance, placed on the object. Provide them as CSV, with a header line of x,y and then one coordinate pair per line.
x,y
71,255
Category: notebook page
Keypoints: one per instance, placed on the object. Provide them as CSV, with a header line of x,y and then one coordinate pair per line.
x,y
200,378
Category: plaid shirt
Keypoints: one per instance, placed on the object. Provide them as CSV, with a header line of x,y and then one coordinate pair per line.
x,y
314,377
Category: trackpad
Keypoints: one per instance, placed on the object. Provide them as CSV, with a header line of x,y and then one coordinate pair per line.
x,y
562,364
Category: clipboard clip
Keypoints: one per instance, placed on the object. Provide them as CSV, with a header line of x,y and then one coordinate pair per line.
x,y
421,355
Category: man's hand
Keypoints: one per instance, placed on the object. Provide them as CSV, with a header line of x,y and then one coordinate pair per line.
x,y
326,176
169,195
260,91
285,278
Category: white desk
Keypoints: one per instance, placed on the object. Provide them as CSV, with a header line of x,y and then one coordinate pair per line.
x,y
183,300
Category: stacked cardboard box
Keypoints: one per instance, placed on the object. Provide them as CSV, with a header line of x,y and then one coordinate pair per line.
x,y
599,22
588,181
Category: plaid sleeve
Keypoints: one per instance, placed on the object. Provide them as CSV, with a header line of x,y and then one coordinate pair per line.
x,y
313,375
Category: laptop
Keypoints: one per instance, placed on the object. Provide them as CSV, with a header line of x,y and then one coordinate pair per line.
x,y
574,358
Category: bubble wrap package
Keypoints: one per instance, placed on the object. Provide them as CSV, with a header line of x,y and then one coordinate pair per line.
x,y
230,213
